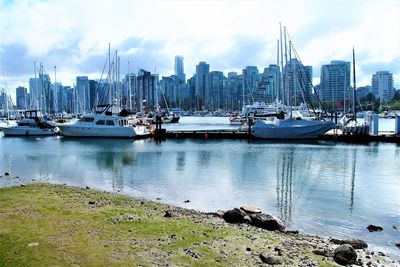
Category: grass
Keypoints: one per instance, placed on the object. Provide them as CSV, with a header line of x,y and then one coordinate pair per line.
x,y
54,225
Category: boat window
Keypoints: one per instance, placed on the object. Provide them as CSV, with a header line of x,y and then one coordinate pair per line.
x,y
87,119
100,122
109,122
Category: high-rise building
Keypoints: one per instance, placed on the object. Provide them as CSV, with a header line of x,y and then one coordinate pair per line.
x,y
82,94
21,94
270,88
217,97
251,78
297,82
179,68
335,82
382,85
147,90
202,93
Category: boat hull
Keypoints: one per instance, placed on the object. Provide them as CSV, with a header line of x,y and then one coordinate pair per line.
x,y
77,131
291,129
28,131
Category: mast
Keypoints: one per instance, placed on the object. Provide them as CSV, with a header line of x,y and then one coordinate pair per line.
x,y
109,74
55,90
287,89
129,89
354,87
277,87
282,86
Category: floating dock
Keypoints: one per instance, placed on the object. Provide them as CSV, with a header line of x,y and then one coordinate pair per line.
x,y
232,134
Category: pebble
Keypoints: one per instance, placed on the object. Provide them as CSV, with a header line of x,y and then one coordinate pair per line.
x,y
6,173
33,244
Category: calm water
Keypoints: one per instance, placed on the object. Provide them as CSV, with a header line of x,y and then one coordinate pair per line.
x,y
316,187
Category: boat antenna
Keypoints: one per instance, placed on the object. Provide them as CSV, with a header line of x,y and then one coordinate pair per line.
x,y
354,87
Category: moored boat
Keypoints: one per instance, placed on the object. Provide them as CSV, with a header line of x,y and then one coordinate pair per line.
x,y
290,128
102,123
33,124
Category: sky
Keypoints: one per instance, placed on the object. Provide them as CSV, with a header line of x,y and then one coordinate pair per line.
x,y
74,35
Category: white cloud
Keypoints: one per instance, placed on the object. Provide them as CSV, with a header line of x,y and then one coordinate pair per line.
x,y
74,34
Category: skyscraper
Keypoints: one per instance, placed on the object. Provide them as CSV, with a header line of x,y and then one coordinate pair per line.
x,y
179,69
21,94
202,92
335,82
82,94
298,80
382,85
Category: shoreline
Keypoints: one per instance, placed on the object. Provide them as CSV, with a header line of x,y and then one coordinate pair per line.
x,y
123,226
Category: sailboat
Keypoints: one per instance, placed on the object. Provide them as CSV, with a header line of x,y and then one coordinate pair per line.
x,y
290,128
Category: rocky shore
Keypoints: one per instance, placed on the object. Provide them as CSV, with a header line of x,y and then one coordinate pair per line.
x,y
61,225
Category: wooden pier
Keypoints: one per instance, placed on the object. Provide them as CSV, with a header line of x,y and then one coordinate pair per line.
x,y
162,134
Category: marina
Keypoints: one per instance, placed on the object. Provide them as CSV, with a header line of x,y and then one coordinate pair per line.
x,y
296,180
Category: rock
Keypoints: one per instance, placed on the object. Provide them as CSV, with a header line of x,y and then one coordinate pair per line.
x,y
269,259
248,249
355,243
250,209
381,254
395,228
267,221
23,184
186,201
33,244
167,214
293,232
397,245
345,255
6,173
159,198
234,216
247,219
87,187
374,228
91,202
324,253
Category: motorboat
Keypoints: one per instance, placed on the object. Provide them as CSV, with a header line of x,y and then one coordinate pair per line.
x,y
102,123
291,128
32,124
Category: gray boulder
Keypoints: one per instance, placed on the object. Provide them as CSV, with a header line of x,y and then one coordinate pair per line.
x,y
267,221
345,255
374,228
234,216
355,243
269,259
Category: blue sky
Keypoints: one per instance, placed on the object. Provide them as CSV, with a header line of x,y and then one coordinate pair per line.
x,y
74,35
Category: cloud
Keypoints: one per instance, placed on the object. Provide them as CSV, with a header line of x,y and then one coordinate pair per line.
x,y
74,35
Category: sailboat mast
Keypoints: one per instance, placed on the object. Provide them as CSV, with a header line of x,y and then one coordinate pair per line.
x,y
282,86
287,89
109,74
277,87
55,91
129,89
354,87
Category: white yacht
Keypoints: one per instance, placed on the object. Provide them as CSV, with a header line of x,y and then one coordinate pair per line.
x,y
32,124
102,123
260,109
290,128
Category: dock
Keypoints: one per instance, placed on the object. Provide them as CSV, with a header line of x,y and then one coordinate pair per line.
x,y
163,134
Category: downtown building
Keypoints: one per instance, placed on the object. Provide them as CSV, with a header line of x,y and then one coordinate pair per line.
x,y
335,83
202,90
382,86
297,81
21,94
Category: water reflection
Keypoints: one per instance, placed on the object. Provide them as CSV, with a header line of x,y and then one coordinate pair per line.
x,y
284,184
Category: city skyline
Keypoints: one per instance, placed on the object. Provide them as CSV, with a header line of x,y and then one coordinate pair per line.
x,y
74,36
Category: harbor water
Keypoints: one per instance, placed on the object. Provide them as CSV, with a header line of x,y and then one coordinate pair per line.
x,y
317,187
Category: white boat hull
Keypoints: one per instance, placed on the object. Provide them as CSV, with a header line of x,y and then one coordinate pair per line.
x,y
28,131
291,129
99,131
